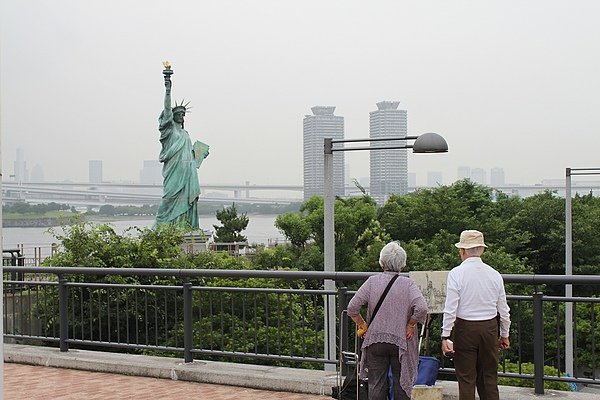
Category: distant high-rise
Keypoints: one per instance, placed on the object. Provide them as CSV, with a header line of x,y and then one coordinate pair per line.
x,y
37,173
347,178
20,166
412,180
151,173
497,177
463,172
478,176
389,168
322,124
434,178
95,171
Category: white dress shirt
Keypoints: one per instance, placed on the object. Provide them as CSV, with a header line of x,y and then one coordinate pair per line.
x,y
475,292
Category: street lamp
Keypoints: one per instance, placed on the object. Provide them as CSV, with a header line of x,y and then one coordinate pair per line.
x,y
425,143
569,262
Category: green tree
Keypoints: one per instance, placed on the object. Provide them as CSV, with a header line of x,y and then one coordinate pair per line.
x,y
357,233
232,225
425,212
542,218
295,227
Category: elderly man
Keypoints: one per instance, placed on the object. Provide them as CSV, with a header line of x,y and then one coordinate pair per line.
x,y
476,308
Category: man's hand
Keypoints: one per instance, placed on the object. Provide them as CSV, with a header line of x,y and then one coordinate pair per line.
x,y
503,343
447,348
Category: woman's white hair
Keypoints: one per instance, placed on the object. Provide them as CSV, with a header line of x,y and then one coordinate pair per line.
x,y
392,257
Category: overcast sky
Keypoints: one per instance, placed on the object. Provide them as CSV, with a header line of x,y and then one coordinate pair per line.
x,y
511,84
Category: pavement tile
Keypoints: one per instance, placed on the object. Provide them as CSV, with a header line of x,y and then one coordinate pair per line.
x,y
30,382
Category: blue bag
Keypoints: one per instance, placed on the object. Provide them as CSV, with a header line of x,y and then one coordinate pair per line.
x,y
428,370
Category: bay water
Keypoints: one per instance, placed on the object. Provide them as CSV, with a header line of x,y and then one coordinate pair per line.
x,y
261,230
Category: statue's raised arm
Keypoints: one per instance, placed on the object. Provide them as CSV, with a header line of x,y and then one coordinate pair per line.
x,y
167,72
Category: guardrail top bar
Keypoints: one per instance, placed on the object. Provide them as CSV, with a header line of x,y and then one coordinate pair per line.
x,y
534,279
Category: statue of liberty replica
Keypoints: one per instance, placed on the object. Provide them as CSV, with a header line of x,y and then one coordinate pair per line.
x,y
181,159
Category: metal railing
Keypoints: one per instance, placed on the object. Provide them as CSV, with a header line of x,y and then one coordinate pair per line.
x,y
273,317
29,256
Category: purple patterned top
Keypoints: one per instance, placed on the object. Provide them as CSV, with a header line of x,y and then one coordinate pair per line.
x,y
402,301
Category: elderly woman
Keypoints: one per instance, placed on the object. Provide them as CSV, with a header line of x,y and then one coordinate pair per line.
x,y
391,339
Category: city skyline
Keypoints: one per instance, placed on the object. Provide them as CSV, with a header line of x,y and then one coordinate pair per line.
x,y
510,84
151,173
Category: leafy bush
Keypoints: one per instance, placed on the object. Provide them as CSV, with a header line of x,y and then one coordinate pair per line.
x,y
527,368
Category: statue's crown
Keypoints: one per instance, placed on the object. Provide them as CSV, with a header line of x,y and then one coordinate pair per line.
x,y
180,107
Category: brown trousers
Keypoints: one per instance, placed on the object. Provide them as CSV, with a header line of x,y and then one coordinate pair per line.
x,y
476,358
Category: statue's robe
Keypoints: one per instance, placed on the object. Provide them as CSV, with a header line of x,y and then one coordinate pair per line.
x,y
181,188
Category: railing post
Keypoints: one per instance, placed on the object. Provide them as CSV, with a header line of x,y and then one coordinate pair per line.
x,y
63,298
13,262
538,343
188,326
344,329
21,263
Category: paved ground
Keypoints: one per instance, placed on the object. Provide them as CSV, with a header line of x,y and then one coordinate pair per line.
x,y
37,383
35,372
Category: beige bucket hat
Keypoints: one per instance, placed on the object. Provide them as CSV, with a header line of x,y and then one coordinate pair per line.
x,y
470,239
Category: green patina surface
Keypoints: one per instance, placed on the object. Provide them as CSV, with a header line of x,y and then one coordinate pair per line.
x,y
180,159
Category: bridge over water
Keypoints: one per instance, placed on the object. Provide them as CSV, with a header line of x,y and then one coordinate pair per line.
x,y
98,194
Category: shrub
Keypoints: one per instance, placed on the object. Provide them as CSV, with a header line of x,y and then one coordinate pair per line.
x,y
527,368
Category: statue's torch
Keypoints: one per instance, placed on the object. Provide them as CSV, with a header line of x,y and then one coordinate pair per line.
x,y
167,72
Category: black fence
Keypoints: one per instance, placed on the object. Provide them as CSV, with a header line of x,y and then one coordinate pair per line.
x,y
269,317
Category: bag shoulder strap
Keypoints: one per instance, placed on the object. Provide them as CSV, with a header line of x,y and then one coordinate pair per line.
x,y
385,292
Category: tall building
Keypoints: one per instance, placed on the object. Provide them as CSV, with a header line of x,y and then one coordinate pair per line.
x,y
95,171
348,180
322,124
478,175
389,168
434,179
412,180
463,172
497,177
37,173
20,167
151,173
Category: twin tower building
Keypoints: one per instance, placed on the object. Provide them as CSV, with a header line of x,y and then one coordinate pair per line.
x,y
388,168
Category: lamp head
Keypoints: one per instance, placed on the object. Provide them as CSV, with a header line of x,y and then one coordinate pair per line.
x,y
430,143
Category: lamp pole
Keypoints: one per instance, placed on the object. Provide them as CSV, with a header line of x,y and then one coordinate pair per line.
x,y
569,345
329,251
568,271
426,143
